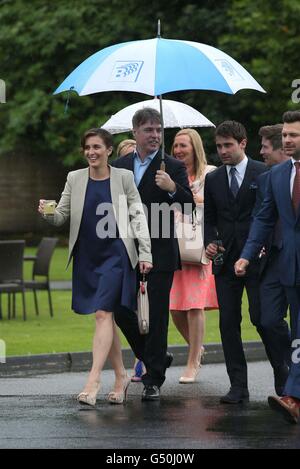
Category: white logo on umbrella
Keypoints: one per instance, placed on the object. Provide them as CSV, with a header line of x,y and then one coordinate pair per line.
x,y
228,68
126,71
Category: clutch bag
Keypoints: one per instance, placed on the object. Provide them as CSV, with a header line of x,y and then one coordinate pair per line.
x,y
143,307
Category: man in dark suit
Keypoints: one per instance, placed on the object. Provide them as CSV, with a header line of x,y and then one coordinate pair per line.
x,y
159,190
229,195
273,297
282,200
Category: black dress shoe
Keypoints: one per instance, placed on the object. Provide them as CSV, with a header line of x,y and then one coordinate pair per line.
x,y
280,377
235,396
150,393
168,360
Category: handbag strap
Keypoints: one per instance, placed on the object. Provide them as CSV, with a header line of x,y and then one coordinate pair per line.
x,y
143,278
142,284
194,218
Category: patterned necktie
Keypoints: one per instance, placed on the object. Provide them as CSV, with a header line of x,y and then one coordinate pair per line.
x,y
234,185
296,188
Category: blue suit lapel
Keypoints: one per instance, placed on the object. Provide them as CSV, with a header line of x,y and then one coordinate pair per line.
x,y
285,189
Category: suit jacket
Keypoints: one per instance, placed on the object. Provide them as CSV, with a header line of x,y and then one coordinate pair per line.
x,y
165,249
275,237
278,203
225,217
128,211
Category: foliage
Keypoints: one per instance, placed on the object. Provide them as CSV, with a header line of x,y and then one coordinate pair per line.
x,y
41,45
42,42
264,36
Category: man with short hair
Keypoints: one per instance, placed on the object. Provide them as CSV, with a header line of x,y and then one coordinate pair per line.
x,y
157,189
282,200
273,298
229,194
271,144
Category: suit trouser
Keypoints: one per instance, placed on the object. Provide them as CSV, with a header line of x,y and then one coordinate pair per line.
x,y
152,347
274,306
292,387
230,292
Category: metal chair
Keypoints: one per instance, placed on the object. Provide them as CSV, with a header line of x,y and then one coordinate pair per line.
x,y
11,273
41,267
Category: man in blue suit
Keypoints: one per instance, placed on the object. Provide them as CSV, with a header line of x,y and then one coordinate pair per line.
x,y
273,298
282,200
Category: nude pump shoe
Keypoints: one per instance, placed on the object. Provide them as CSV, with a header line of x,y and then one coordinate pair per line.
x,y
89,398
186,380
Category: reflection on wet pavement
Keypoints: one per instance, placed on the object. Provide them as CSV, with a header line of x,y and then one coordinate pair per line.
x,y
41,412
44,422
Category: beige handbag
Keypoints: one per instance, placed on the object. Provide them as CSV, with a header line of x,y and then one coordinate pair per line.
x,y
190,240
143,307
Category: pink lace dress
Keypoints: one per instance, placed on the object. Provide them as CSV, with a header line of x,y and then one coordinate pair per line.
x,y
194,286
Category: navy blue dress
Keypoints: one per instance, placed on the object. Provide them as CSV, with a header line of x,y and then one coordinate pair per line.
x,y
103,277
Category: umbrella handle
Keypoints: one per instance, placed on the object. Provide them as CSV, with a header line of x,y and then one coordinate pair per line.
x,y
163,166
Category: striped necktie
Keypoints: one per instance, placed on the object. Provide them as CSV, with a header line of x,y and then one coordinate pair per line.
x,y
234,185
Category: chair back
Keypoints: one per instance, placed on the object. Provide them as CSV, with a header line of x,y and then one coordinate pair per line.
x,y
11,261
43,256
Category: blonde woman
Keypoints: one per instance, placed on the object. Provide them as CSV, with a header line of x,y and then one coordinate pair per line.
x,y
193,288
126,147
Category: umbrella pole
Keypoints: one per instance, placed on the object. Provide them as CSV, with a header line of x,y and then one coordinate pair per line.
x,y
162,164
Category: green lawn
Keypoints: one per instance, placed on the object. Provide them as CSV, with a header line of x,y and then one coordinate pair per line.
x,y
70,332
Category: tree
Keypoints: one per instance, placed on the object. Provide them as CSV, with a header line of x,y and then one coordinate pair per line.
x,y
265,38
41,44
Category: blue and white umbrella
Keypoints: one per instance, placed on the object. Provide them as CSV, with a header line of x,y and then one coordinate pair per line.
x,y
158,66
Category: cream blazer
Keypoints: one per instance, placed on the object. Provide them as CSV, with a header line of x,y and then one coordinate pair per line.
x,y
128,209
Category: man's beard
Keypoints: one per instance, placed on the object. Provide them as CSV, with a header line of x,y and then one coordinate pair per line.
x,y
296,155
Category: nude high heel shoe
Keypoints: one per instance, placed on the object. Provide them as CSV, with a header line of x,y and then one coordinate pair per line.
x,y
89,398
119,397
192,379
201,357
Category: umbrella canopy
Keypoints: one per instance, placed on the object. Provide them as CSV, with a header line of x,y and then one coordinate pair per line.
x,y
176,114
158,66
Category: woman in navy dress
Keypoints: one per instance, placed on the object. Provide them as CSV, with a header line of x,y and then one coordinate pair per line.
x,y
104,252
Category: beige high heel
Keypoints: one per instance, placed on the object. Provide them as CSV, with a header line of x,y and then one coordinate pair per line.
x,y
89,398
201,356
188,380
119,397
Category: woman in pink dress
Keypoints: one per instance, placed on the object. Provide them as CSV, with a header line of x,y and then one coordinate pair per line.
x,y
193,289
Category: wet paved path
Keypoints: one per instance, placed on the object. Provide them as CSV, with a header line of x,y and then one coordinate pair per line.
x,y
40,412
